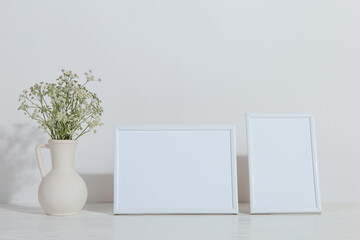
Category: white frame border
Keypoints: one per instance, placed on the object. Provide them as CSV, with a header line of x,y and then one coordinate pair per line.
x,y
318,208
233,210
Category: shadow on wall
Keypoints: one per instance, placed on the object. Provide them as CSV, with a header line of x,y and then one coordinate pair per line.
x,y
17,159
19,173
243,178
100,187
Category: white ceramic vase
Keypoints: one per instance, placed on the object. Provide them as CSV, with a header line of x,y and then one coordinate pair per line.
x,y
62,191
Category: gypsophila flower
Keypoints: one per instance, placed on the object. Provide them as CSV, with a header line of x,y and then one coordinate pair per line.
x,y
66,109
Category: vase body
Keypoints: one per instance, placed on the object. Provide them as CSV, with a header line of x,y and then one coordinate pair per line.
x,y
62,191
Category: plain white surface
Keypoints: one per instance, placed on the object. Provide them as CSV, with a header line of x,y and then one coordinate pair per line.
x,y
96,221
189,62
283,164
175,170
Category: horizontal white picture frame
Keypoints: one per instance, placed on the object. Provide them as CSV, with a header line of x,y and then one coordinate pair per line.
x,y
282,164
175,170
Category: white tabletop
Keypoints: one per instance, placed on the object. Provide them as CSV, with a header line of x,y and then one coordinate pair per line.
x,y
96,221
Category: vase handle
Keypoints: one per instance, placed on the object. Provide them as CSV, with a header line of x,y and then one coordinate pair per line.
x,y
39,158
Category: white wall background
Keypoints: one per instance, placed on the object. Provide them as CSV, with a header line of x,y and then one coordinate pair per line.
x,y
185,62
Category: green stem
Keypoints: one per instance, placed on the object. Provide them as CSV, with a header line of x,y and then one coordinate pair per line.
x,y
83,132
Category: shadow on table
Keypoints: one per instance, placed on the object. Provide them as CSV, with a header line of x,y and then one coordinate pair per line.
x,y
104,208
244,208
23,209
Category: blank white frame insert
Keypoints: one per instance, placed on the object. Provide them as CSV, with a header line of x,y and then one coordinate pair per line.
x,y
282,164
175,170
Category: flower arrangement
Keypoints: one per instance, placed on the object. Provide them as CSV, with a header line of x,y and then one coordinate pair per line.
x,y
65,110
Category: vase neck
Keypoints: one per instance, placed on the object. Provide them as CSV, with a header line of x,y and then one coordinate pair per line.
x,y
62,153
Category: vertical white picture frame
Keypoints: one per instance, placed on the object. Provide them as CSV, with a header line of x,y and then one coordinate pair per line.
x,y
283,167
175,170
